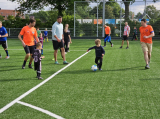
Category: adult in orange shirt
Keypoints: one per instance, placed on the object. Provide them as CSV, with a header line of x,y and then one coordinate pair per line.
x,y
29,33
146,34
107,35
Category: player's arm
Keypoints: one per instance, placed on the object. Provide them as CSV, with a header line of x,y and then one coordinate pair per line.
x,y
20,38
91,48
6,35
37,39
70,38
103,51
152,34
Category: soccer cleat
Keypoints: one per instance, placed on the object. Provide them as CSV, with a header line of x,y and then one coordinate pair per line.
x,y
127,47
65,62
100,69
120,47
56,62
112,45
39,78
29,66
23,67
7,57
147,66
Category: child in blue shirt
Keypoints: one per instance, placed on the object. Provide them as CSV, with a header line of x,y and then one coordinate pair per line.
x,y
46,35
99,53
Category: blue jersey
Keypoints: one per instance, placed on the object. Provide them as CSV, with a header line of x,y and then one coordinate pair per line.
x,y
3,31
45,33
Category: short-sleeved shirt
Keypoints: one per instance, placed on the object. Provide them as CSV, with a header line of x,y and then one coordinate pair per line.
x,y
57,29
126,30
146,31
107,30
3,31
45,33
38,32
28,35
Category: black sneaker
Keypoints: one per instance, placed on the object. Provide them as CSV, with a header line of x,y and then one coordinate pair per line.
x,y
23,67
121,47
39,78
29,66
147,66
127,47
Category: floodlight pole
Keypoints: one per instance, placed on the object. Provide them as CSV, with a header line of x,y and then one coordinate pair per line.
x,y
103,18
74,19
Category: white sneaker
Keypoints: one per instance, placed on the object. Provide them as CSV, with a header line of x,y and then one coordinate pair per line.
x,y
68,51
7,57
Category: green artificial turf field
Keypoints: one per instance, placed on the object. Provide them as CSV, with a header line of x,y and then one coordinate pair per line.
x,y
122,90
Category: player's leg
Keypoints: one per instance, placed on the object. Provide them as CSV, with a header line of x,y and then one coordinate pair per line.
x,y
149,52
68,46
61,45
105,40
42,50
66,50
44,38
47,38
39,70
31,48
100,63
5,46
127,43
26,48
145,52
96,61
55,47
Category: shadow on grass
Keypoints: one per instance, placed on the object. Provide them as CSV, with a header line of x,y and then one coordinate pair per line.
x,y
20,79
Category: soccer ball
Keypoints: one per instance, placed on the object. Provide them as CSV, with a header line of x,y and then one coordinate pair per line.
x,y
94,68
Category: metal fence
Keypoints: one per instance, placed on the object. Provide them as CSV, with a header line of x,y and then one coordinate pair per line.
x,y
89,17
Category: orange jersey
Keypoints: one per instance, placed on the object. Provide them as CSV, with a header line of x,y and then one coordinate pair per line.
x,y
107,30
146,31
28,35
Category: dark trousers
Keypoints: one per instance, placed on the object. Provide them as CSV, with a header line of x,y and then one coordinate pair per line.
x,y
134,36
66,46
99,64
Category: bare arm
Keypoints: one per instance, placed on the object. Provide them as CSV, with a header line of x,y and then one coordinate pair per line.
x,y
20,38
37,39
6,35
70,38
152,34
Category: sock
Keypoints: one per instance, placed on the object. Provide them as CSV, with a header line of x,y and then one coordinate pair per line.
x,y
24,63
42,51
30,63
47,39
38,74
7,52
104,43
110,42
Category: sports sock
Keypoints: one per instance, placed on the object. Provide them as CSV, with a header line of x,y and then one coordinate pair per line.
x,y
47,39
110,42
30,63
24,63
42,51
7,52
104,43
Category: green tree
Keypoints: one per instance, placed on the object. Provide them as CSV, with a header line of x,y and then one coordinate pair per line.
x,y
1,18
152,12
138,15
60,5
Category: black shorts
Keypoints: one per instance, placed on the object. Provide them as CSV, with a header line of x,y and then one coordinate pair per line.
x,y
4,44
45,36
29,49
37,66
125,37
57,44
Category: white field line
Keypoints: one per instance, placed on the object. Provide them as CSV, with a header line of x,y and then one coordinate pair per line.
x,y
45,50
37,86
40,109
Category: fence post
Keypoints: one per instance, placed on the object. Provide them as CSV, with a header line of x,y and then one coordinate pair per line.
x,y
9,31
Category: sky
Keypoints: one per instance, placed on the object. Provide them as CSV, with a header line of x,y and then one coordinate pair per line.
x,y
135,7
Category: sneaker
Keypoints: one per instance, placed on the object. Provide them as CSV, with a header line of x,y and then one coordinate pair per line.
x,y
56,62
120,47
39,78
100,69
30,66
147,66
112,45
127,47
53,59
23,67
7,57
65,62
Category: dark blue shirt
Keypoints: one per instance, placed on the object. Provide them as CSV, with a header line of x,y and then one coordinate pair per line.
x,y
45,33
98,50
3,31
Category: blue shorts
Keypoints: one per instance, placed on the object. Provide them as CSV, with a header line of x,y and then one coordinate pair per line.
x,y
107,38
